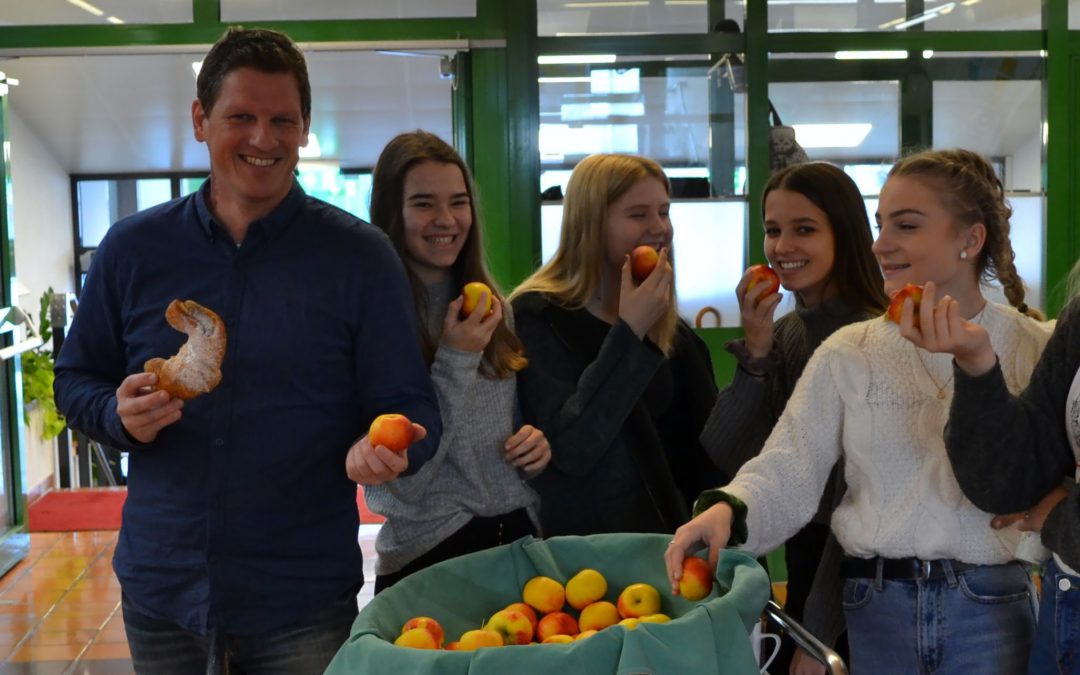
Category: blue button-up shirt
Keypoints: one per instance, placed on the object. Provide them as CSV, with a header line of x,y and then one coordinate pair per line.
x,y
241,515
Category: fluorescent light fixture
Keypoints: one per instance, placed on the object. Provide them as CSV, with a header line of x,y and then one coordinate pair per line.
x,y
312,149
196,66
113,19
926,16
598,5
928,53
870,54
564,80
575,58
13,81
831,135
1045,133
969,3
86,6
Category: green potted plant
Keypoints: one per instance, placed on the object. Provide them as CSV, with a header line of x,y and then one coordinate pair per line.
x,y
37,376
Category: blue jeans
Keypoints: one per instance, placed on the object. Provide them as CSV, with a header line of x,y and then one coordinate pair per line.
x,y
1057,640
976,621
162,648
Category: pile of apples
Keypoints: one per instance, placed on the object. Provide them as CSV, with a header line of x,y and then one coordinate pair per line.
x,y
542,617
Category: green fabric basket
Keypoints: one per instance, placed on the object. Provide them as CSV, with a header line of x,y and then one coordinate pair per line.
x,y
709,636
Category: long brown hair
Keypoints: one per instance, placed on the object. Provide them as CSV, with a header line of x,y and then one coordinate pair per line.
x,y
573,274
973,193
855,272
504,354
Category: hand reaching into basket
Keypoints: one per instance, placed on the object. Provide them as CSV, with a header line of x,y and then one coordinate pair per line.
x,y
712,528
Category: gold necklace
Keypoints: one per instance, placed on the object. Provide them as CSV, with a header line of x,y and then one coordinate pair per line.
x,y
976,318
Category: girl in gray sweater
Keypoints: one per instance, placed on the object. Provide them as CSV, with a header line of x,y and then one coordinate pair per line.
x,y
472,494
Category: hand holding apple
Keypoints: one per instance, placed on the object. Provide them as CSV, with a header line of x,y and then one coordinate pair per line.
x,y
710,528
766,277
642,305
758,299
896,304
470,332
474,294
938,327
368,464
392,431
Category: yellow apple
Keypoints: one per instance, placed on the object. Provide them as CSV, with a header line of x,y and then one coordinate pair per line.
x,y
638,600
630,623
697,579
544,594
655,618
472,292
417,638
556,623
480,637
558,638
514,627
585,633
425,622
526,610
584,588
598,615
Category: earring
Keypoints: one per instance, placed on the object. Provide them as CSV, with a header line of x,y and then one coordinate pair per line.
x,y
963,255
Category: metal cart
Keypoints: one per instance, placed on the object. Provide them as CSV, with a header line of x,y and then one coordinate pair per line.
x,y
834,665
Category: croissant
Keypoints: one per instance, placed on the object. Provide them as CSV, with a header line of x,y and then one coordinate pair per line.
x,y
196,368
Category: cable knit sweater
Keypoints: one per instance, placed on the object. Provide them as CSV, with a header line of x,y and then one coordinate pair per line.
x,y
869,395
468,475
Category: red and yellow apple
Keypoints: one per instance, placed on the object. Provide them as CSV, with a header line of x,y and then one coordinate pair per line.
x,y
896,304
697,579
392,431
426,622
598,615
638,600
477,638
472,292
643,260
526,610
452,646
630,622
556,623
514,626
654,618
585,588
417,638
763,274
544,594
585,634
558,638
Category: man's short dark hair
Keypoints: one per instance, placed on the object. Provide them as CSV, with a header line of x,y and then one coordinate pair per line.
x,y
267,51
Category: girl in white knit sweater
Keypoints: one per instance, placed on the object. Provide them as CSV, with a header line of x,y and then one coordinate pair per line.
x,y
930,586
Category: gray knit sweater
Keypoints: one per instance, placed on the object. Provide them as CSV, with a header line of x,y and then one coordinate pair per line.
x,y
468,476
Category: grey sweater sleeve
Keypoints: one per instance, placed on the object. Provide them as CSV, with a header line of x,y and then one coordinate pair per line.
x,y
1009,451
739,423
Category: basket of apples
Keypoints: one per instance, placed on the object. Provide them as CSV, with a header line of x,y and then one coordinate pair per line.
x,y
563,605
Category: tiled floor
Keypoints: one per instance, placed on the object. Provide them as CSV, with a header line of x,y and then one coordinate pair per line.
x,y
60,607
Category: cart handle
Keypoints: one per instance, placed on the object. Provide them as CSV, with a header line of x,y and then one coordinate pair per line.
x,y
806,640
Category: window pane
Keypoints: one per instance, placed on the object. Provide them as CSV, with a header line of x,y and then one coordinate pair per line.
x,y
999,119
709,245
285,10
94,12
890,15
324,180
852,124
189,185
152,191
642,17
97,210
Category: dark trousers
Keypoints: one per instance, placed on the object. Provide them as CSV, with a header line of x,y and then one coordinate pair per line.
x,y
476,535
802,554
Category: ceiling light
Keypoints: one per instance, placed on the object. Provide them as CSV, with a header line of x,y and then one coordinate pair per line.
x,y
113,19
575,58
87,7
311,150
870,54
831,135
925,16
597,5
928,53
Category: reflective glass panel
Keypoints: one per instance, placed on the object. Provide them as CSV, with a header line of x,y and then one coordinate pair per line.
x,y
151,192
79,12
284,10
628,17
891,15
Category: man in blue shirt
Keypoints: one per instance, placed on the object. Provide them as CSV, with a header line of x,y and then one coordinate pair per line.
x,y
240,527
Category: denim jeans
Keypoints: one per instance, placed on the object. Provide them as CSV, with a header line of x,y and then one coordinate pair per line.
x,y
1057,640
977,621
162,648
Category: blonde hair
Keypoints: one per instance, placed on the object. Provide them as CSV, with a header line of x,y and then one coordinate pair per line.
x,y
573,274
973,193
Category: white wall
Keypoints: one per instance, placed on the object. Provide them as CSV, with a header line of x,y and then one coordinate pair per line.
x,y
44,255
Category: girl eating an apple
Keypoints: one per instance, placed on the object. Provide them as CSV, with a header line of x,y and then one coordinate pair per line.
x,y
817,238
619,383
1009,450
472,494
929,584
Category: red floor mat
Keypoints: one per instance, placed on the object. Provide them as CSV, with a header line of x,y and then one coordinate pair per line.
x,y
82,509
